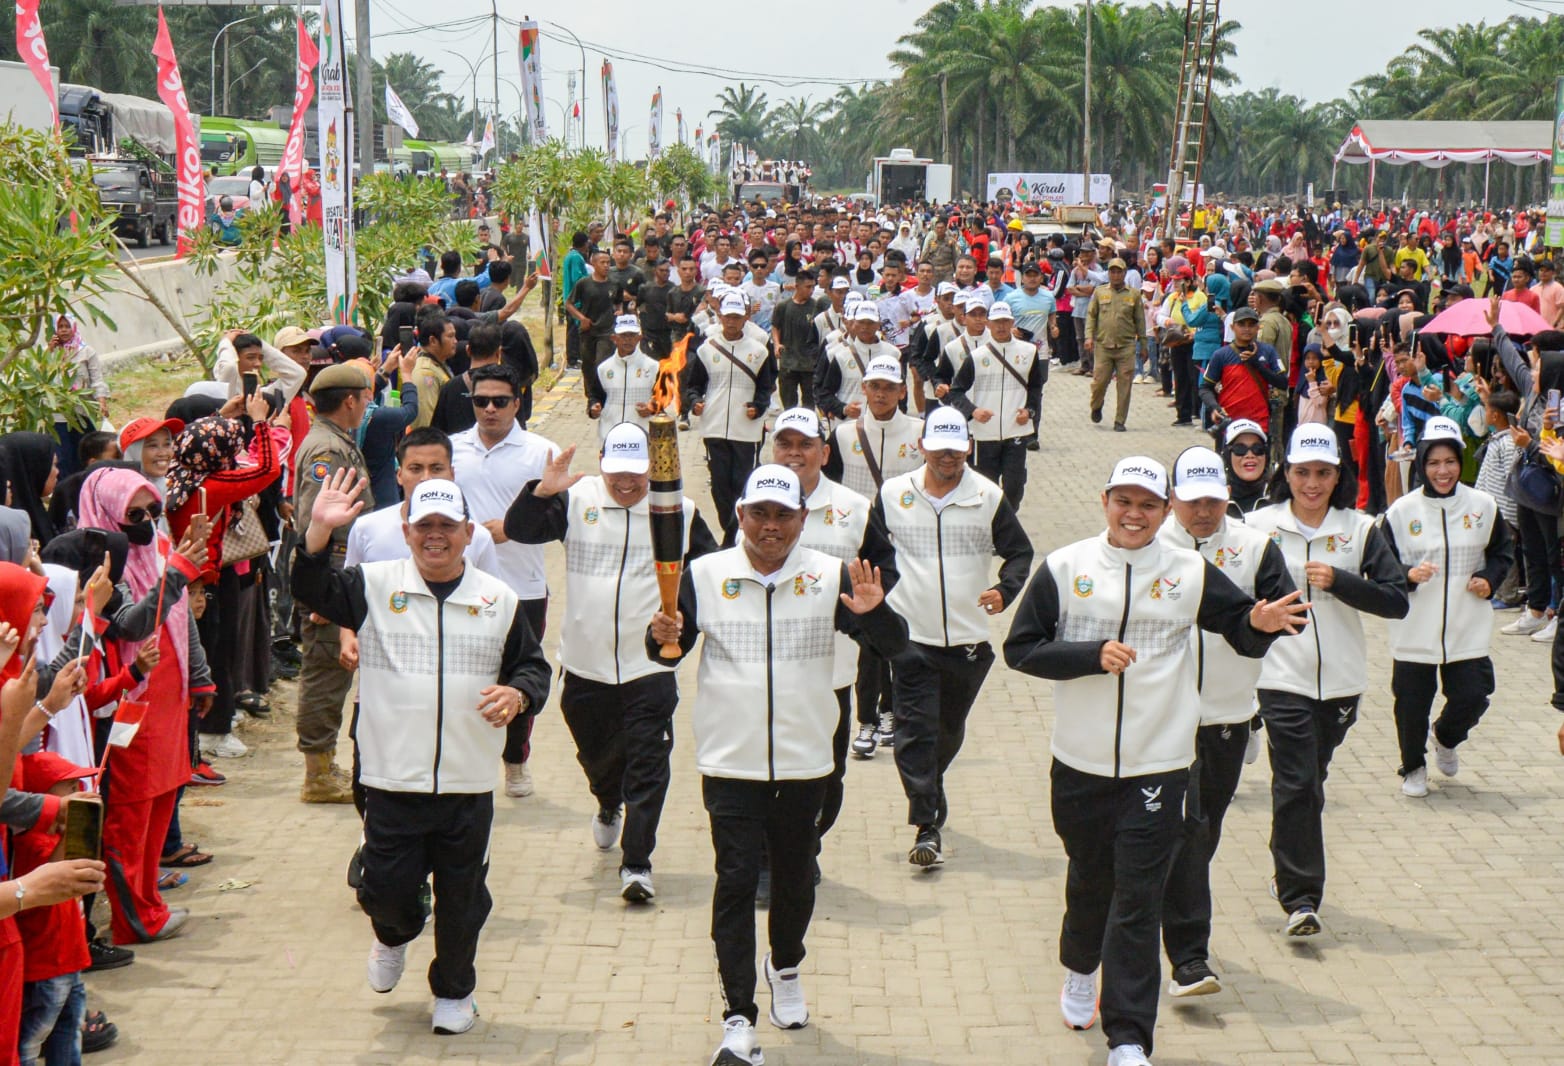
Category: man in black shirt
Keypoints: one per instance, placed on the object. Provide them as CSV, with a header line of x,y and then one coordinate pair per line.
x,y
592,304
655,326
453,411
493,298
684,300
626,278
797,342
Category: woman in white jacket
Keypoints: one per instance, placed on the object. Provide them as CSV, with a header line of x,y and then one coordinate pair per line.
x,y
1456,550
1341,560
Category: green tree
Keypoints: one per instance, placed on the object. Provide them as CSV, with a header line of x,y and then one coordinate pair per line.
x,y
795,127
741,115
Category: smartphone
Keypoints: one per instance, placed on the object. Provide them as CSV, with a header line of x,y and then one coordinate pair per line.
x,y
406,336
252,382
84,826
1553,401
94,543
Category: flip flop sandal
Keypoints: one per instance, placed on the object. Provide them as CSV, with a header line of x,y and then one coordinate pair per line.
x,y
186,857
97,1032
171,879
254,703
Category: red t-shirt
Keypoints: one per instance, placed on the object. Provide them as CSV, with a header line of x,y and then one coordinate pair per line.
x,y
54,939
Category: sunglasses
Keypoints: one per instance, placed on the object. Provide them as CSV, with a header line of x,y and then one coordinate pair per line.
x,y
137,515
1247,449
499,403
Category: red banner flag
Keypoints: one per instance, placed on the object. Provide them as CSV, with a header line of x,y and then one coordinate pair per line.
x,y
187,157
34,52
303,93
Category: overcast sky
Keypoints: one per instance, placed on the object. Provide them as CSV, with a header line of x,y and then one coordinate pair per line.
x,y
1314,51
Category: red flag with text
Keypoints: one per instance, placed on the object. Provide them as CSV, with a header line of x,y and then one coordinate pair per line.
x,y
34,52
303,93
187,154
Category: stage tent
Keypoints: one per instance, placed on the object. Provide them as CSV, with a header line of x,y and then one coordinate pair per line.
x,y
1438,144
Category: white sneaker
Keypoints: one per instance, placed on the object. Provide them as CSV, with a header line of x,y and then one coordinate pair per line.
x,y
1546,633
605,833
1252,748
788,1009
1128,1055
635,886
1447,759
1078,1000
453,1016
1525,624
518,780
738,1047
1415,783
386,965
1304,922
223,746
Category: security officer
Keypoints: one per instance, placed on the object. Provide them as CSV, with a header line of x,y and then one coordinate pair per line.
x,y
1115,324
324,683
1000,389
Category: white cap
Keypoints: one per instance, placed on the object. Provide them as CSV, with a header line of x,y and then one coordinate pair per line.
x,y
1239,426
945,288
840,282
1142,473
799,420
854,298
1313,443
732,304
1216,251
1198,475
774,484
625,450
1441,428
866,311
437,496
1000,310
627,324
883,368
945,431
973,301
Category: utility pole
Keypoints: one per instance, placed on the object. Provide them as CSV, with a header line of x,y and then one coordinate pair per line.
x,y
944,119
494,47
1086,110
226,109
364,113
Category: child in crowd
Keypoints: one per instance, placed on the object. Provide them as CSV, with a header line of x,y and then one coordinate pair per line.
x,y
1313,388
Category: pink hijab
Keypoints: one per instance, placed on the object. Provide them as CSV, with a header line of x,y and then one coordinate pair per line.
x,y
105,496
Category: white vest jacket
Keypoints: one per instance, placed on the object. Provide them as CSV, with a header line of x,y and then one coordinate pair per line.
x,y
835,526
625,383
1463,535
1225,679
984,383
729,390
893,443
1154,599
954,356
1327,660
422,665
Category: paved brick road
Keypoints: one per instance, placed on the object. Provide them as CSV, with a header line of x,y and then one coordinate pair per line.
x,y
1444,943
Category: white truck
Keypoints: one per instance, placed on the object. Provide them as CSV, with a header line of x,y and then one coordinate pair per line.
x,y
903,176
24,101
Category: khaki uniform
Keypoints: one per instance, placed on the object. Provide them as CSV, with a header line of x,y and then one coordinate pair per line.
x,y
1115,323
1276,330
429,377
941,255
323,684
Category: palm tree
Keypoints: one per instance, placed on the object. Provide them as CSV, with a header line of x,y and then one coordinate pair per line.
x,y
440,115
1295,141
742,115
795,125
1453,66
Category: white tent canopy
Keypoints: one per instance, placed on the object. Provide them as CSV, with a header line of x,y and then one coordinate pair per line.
x,y
1437,144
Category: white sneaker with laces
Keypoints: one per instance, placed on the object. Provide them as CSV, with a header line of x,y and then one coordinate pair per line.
x,y
635,886
1546,634
386,965
1078,1000
223,746
1415,783
788,1009
605,833
454,1016
1525,625
738,1047
518,780
1447,759
1128,1055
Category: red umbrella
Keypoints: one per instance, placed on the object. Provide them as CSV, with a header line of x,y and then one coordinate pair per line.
x,y
1469,318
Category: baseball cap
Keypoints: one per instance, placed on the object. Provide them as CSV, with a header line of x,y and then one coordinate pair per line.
x,y
436,497
1246,314
625,450
799,420
1441,428
773,484
853,299
1184,273
945,431
1198,475
1031,267
974,302
1312,443
627,324
1142,473
841,282
883,368
865,311
288,336
732,304
141,428
945,288
42,770
1239,426
1116,264
1001,310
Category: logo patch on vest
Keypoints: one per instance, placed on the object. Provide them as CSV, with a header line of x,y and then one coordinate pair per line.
x,y
1083,586
730,589
1337,542
803,583
1415,527
907,498
398,602
590,516
1472,520
1226,555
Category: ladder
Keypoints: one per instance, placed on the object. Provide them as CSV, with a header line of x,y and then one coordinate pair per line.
x,y
1202,21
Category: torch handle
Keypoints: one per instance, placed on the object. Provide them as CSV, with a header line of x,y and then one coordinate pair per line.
x,y
668,575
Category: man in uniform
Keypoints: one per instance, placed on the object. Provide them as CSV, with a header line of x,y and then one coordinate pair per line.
x,y
340,394
1000,389
939,327
839,384
1115,324
1276,330
620,389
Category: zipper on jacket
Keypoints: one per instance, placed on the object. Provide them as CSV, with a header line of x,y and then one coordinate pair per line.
x,y
1444,581
1319,651
439,689
1118,723
1200,649
939,553
619,583
771,716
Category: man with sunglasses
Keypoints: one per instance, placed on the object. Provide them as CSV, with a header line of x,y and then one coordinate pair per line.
x,y
494,460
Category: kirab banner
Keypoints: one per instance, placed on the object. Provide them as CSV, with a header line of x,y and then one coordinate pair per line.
x,y
654,126
303,92
336,176
34,51
1029,188
532,83
1553,231
187,150
610,110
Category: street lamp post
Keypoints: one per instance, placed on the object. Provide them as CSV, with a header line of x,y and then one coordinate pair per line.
x,y
472,69
583,129
212,100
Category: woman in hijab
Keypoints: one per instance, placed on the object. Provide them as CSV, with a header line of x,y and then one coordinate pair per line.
x,y
15,536
28,472
86,375
145,776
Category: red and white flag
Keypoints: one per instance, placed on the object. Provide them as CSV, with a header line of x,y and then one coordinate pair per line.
x,y
187,155
35,53
303,93
127,722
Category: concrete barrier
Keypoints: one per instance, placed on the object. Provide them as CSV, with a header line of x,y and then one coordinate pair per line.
x,y
139,328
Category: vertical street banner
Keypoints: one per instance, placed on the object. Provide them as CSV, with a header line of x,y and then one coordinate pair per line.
x,y
187,151
610,110
532,84
486,145
654,126
540,248
303,93
678,122
1553,234
34,51
336,168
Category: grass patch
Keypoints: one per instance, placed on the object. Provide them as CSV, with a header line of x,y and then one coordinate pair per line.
x,y
146,387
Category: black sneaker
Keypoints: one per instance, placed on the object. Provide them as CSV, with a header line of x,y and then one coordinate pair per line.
x,y
926,851
763,889
1119,427
108,957
1194,978
1096,414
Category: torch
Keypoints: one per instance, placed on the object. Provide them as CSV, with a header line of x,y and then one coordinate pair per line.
x,y
666,505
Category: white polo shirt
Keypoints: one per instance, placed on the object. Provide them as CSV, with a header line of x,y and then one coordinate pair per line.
x,y
491,479
376,537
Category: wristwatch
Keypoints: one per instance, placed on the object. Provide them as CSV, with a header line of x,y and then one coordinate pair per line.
x,y
21,896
